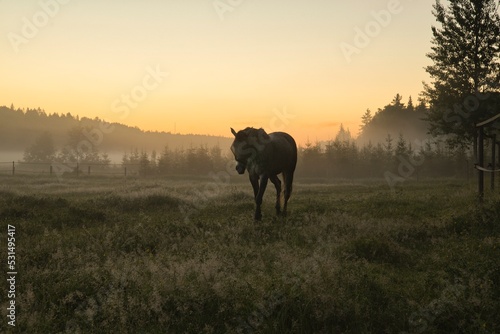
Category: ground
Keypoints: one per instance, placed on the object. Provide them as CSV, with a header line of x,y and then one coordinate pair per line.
x,y
184,255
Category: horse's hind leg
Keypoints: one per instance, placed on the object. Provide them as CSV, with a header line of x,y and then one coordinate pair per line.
x,y
277,183
288,179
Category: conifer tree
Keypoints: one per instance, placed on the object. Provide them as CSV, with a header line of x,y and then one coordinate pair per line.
x,y
466,69
409,105
365,120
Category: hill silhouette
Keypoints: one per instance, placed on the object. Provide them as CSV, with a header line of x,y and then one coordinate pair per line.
x,y
19,129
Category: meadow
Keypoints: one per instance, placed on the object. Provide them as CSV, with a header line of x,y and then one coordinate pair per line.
x,y
184,255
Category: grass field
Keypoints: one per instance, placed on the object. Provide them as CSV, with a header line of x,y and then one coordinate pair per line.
x,y
178,255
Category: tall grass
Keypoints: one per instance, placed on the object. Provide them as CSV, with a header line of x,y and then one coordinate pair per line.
x,y
101,255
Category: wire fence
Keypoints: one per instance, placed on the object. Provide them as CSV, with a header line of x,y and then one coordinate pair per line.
x,y
66,168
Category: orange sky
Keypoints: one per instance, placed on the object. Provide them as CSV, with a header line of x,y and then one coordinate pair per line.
x,y
204,66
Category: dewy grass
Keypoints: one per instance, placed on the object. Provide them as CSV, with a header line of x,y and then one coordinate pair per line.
x,y
101,255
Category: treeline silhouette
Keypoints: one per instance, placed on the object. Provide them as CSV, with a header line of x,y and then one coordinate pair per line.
x,y
194,160
20,128
393,141
396,158
341,157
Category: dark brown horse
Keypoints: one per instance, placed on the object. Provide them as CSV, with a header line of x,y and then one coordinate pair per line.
x,y
265,156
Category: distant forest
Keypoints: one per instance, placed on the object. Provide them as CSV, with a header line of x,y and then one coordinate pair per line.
x,y
392,143
19,129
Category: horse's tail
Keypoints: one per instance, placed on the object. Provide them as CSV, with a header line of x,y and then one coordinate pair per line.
x,y
288,180
288,175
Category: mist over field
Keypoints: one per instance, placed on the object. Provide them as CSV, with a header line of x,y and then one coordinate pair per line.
x,y
384,236
20,129
242,166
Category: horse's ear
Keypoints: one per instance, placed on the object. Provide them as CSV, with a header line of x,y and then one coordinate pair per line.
x,y
263,134
233,132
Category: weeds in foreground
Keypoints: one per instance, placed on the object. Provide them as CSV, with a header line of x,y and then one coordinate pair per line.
x,y
112,257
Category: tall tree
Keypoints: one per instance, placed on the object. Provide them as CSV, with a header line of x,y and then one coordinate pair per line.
x,y
466,69
365,120
401,147
396,102
343,135
409,105
388,145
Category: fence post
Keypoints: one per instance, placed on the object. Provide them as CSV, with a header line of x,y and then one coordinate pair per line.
x,y
480,162
493,159
466,171
50,169
88,171
125,171
77,169
498,157
13,168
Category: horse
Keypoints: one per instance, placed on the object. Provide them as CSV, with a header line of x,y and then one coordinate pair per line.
x,y
265,156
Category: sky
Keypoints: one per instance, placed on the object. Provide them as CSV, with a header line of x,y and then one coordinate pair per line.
x,y
203,66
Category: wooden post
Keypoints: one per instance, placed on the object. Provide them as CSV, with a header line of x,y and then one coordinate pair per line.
x,y
88,172
77,169
50,169
480,162
125,171
498,163
493,160
13,167
467,171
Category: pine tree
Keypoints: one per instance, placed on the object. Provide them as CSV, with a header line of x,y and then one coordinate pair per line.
x,y
388,145
409,105
343,136
401,148
396,102
144,164
466,69
365,120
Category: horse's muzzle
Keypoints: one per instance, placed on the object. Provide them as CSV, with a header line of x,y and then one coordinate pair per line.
x,y
240,168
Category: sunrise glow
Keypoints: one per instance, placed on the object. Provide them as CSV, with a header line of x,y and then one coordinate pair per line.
x,y
205,66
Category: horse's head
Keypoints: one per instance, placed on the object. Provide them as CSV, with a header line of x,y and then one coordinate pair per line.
x,y
247,145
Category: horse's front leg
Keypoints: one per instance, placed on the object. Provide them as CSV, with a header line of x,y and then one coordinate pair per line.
x,y
260,194
254,180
